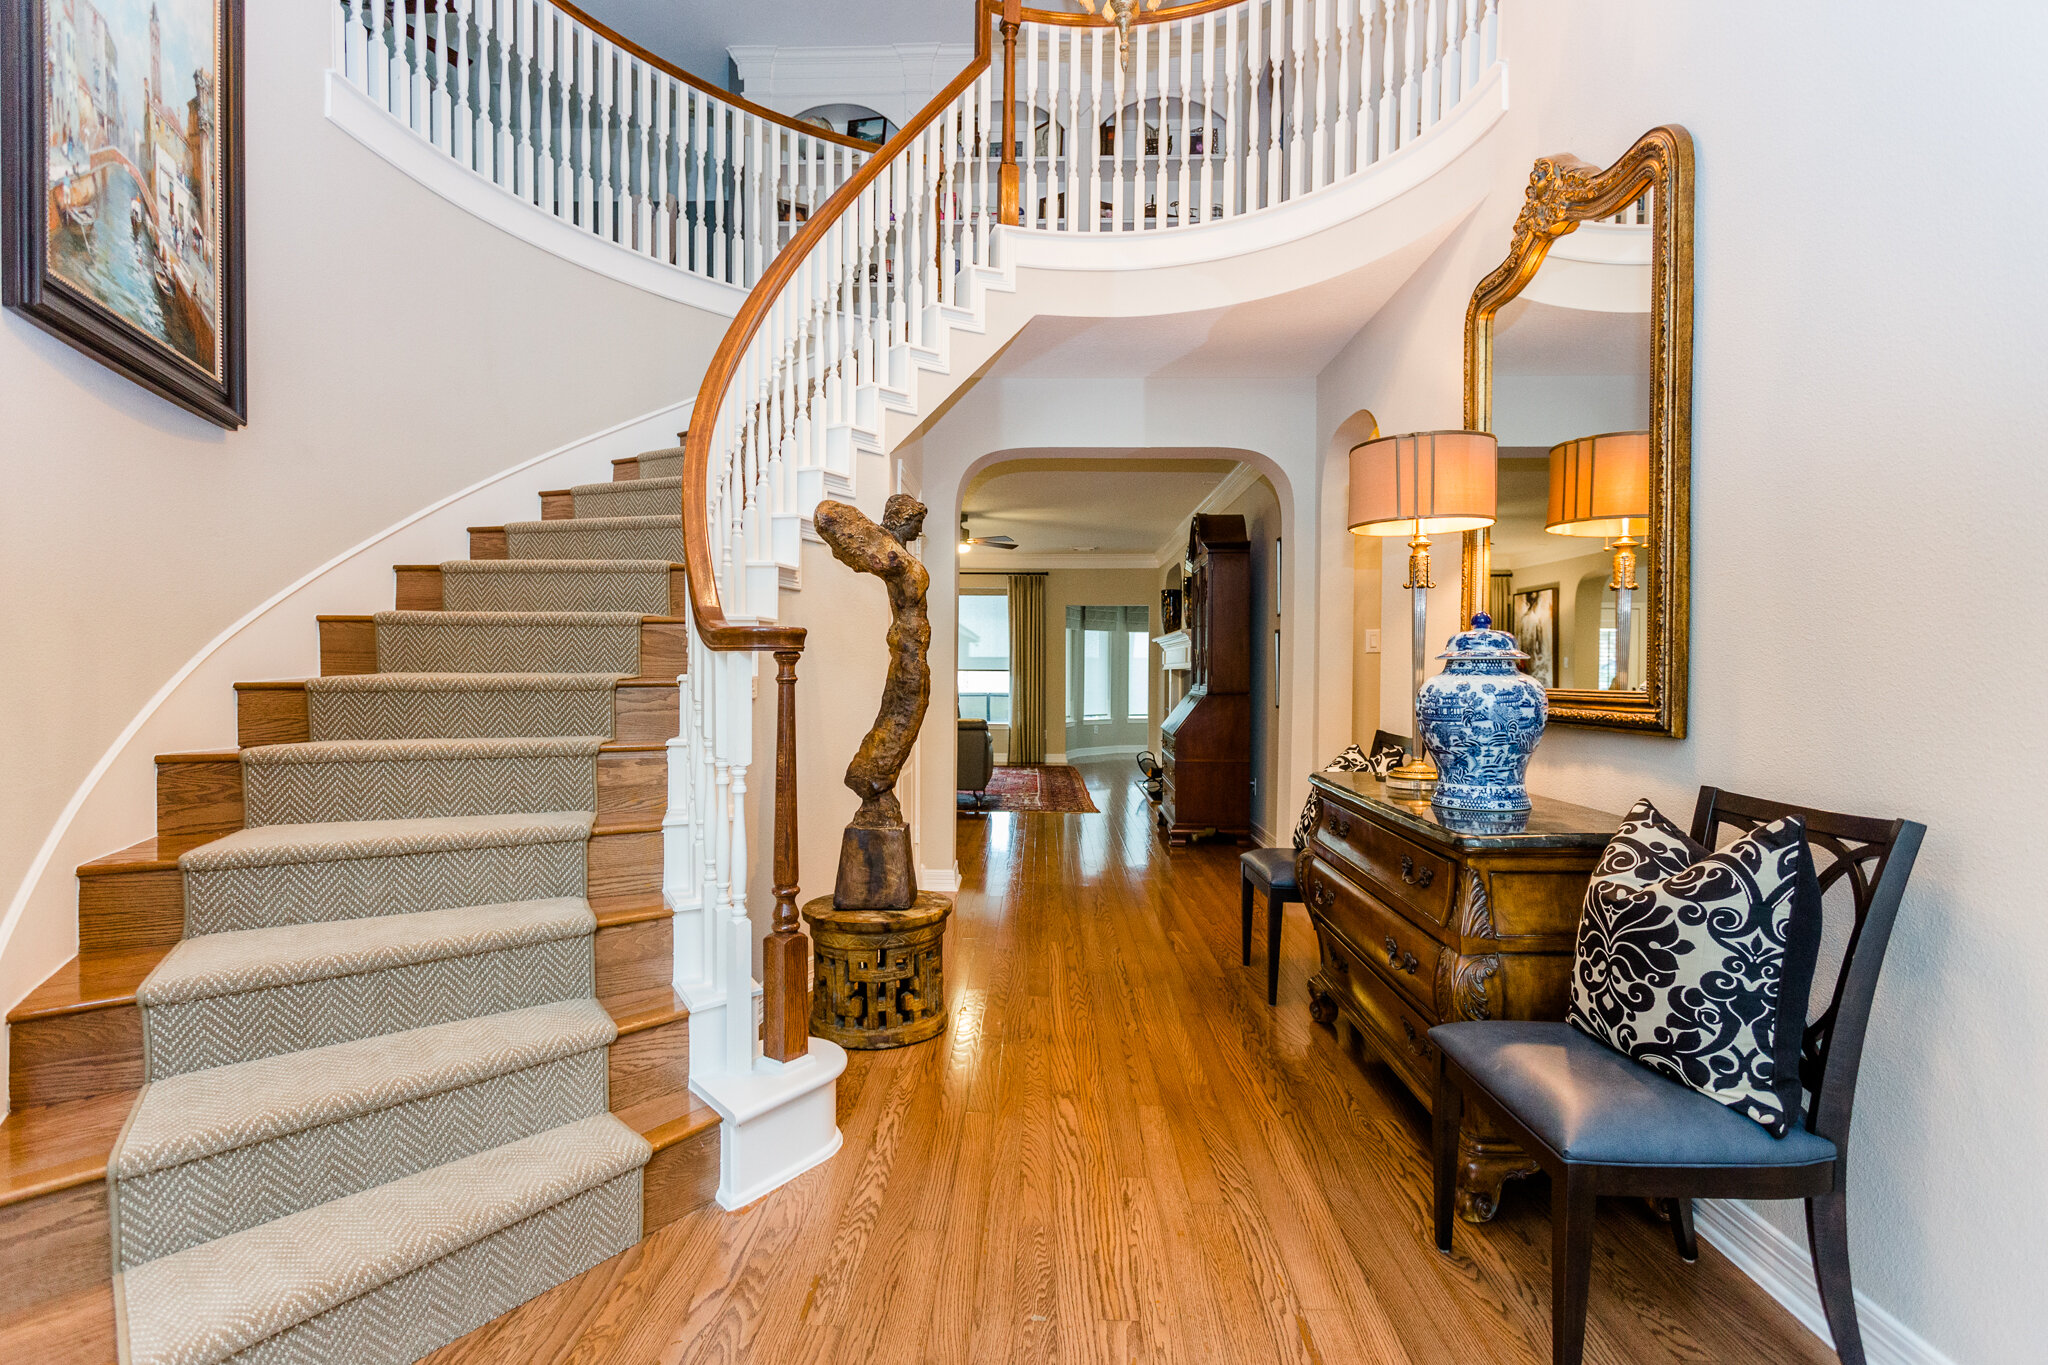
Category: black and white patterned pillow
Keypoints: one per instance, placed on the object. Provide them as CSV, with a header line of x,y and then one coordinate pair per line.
x,y
1352,760
1697,964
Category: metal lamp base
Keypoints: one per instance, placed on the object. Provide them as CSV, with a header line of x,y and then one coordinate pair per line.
x,y
1414,780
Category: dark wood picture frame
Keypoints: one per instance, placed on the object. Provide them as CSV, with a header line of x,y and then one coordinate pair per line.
x,y
30,288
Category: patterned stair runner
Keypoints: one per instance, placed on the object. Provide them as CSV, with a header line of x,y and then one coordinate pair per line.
x,y
376,1108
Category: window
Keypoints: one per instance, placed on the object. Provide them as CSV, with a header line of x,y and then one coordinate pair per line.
x,y
985,657
1109,673
1140,703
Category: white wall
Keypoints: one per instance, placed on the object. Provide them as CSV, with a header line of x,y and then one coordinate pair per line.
x,y
694,34
1867,501
400,350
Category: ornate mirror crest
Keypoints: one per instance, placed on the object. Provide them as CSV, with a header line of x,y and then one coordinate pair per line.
x,y
1563,194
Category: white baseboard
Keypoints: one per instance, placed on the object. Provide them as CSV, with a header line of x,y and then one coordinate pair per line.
x,y
1056,758
1784,1269
943,879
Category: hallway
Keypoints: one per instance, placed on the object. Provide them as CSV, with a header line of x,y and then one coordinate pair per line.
x,y
1117,1152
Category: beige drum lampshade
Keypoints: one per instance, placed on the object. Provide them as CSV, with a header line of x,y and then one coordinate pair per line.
x,y
1600,485
1424,483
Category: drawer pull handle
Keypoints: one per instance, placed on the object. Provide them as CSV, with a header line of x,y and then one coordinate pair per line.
x,y
1414,878
1397,957
1340,827
1415,1043
1319,895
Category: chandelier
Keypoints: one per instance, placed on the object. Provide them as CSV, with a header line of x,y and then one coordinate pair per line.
x,y
1121,12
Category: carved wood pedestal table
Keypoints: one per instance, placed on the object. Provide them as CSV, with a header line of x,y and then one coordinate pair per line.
x,y
880,978
1424,916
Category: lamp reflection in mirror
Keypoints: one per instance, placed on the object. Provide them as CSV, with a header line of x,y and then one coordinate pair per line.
x,y
1418,485
1600,487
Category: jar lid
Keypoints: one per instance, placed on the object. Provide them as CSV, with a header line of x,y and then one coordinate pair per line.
x,y
1482,642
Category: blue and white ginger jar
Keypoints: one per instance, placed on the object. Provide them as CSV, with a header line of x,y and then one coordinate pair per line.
x,y
1481,718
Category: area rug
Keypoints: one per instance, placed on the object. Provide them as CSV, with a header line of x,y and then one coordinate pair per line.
x,y
1054,788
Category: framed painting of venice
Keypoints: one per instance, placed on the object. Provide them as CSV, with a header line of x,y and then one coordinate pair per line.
x,y
120,179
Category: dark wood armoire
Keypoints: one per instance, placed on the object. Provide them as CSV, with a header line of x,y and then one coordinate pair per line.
x,y
1206,744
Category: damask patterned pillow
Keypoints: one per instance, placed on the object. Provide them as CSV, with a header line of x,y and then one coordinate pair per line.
x,y
1697,964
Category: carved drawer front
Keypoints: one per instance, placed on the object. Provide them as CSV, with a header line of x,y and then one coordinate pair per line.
x,y
1399,950
1403,1030
1402,871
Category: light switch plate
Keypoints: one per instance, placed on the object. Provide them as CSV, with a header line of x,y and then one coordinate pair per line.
x,y
1372,642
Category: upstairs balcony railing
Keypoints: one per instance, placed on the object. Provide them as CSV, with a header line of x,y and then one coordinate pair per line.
x,y
555,108
1212,110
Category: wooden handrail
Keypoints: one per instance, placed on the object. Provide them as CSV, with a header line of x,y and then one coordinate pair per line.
x,y
785,953
1072,19
662,64
712,625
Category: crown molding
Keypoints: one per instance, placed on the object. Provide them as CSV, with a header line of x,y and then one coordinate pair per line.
x,y
1234,486
1051,560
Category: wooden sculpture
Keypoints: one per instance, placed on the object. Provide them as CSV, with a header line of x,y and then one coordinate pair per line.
x,y
879,943
875,871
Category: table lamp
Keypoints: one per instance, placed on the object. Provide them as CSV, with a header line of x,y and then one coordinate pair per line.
x,y
1418,485
1600,486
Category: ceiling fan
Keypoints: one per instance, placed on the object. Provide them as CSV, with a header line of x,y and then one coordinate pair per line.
x,y
968,542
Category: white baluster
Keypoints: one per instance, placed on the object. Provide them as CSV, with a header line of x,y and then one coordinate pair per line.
x,y
697,149
1319,148
1468,45
354,43
1080,140
1233,179
1027,128
1489,31
507,167
1162,182
1432,87
1390,117
715,208
1185,186
1344,151
665,152
1297,142
586,137
547,171
401,68
1276,115
1211,127
1411,38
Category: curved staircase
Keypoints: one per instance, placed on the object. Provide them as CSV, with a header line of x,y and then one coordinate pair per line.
x,y
376,1038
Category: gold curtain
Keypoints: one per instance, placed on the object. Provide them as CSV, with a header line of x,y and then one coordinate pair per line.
x,y
1500,600
1027,668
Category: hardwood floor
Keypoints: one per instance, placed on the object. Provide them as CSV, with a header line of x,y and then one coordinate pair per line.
x,y
1117,1153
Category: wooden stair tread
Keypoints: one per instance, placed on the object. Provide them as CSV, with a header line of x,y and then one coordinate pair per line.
x,y
636,1011
90,981
668,1119
634,910
51,1147
138,857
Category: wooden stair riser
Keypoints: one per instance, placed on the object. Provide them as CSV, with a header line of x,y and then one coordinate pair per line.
x,y
680,1179
643,712
557,504
199,796
626,470
348,644
96,1048
419,588
488,542
651,1062
57,1246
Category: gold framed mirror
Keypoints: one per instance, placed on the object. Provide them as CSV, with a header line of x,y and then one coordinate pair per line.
x,y
1578,358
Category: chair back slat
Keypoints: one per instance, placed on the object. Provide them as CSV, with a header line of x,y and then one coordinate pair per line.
x,y
1875,858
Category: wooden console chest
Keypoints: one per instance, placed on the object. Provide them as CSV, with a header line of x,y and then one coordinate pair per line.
x,y
1425,916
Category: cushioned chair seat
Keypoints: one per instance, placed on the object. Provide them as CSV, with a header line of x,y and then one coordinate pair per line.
x,y
1273,866
1591,1104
